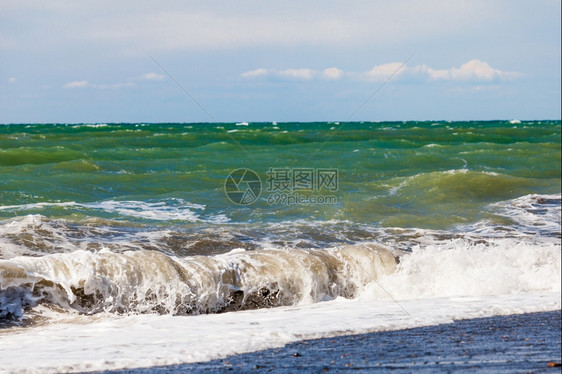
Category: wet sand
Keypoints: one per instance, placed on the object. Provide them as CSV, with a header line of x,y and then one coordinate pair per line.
x,y
507,344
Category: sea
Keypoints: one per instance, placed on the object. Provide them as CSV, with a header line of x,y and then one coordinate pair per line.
x,y
129,245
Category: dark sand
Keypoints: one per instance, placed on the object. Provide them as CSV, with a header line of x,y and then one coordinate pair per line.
x,y
510,344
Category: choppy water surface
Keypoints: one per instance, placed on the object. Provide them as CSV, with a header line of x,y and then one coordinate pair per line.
x,y
106,223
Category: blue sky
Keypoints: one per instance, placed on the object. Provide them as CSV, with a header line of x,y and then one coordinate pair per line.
x,y
89,61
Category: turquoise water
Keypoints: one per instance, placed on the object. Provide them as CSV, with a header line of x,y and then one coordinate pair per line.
x,y
391,174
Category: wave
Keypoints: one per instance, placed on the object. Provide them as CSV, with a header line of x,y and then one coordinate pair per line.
x,y
37,235
153,282
461,267
150,281
451,184
38,155
100,266
535,213
162,210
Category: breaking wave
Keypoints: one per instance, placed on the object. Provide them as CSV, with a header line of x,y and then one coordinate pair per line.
x,y
96,267
150,281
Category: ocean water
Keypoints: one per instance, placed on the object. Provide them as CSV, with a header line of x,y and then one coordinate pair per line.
x,y
133,245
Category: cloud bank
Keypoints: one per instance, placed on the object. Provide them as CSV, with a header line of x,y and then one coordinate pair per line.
x,y
473,70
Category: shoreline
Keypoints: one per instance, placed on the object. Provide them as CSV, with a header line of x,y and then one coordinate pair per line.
x,y
513,343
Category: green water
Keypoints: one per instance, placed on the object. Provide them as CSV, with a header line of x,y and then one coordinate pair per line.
x,y
391,174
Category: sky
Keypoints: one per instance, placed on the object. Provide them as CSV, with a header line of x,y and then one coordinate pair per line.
x,y
65,61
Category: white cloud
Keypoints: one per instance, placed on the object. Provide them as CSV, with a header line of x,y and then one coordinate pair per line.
x,y
333,73
473,70
86,84
153,77
12,80
298,74
301,74
255,73
77,84
384,71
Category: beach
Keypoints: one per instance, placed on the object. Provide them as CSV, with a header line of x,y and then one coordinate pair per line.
x,y
506,344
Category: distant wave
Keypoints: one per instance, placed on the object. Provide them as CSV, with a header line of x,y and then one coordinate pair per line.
x,y
163,210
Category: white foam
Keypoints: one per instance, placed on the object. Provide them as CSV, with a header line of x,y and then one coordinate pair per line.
x,y
432,145
463,268
90,125
149,281
83,343
155,211
169,209
36,206
77,343
535,212
28,227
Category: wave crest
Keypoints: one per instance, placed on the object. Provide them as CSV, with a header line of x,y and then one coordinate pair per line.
x,y
150,281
